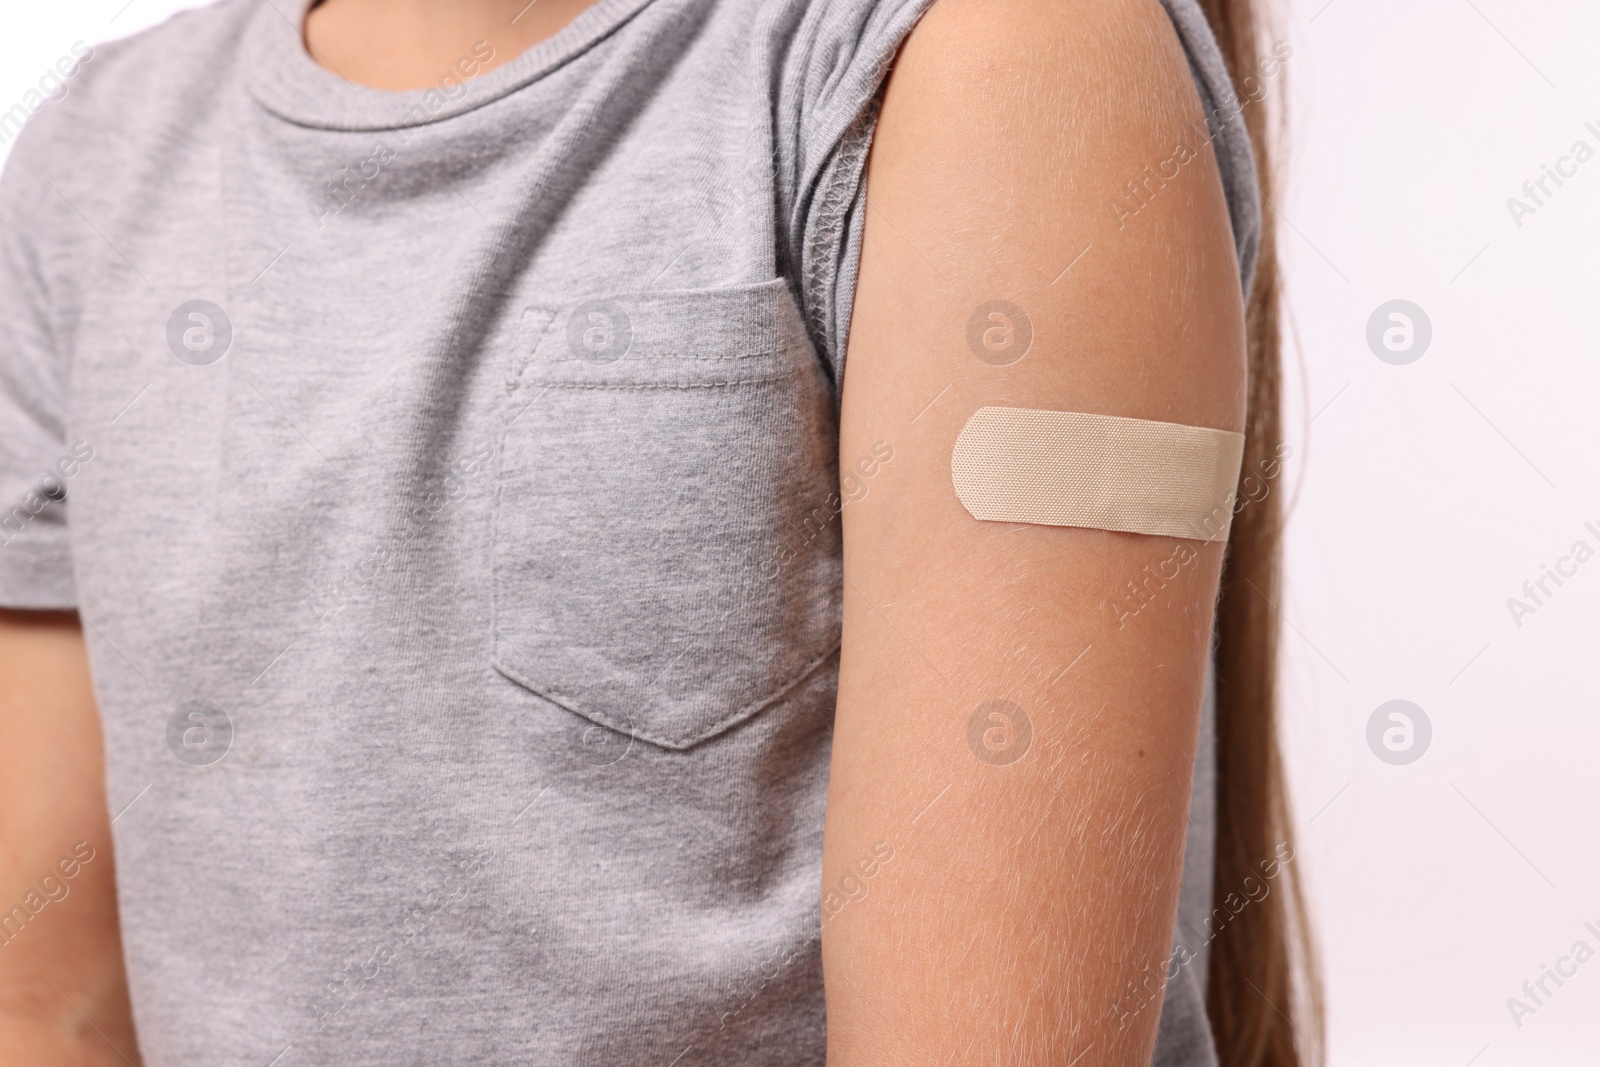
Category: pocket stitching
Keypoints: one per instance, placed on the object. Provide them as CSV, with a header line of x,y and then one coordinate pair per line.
x,y
763,354
555,367
529,376
568,704
666,385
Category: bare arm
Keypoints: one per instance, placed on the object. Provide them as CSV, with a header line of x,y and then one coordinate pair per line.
x,y
989,894
63,994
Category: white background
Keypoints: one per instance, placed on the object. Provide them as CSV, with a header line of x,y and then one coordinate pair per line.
x,y
1423,496
1426,495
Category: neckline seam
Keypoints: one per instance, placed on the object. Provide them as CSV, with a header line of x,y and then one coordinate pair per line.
x,y
284,80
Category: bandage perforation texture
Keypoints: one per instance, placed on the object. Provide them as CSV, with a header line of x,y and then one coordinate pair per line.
x,y
1103,472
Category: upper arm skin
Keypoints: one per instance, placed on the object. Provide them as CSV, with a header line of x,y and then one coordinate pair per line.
x,y
63,993
1019,899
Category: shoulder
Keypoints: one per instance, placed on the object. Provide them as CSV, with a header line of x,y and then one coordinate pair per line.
x,y
116,102
1097,73
1088,117
127,116
1051,160
1101,96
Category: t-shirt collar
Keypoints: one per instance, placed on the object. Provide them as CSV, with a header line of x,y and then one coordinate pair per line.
x,y
285,80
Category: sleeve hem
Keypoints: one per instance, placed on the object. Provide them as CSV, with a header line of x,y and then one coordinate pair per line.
x,y
37,577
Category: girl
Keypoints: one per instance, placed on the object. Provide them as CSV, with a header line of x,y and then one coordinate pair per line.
x,y
530,615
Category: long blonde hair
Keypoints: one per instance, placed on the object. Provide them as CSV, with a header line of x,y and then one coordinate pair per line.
x,y
1263,996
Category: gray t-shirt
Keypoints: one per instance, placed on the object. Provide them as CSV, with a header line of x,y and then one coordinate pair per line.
x,y
453,495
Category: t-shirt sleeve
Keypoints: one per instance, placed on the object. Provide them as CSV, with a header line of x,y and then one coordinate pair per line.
x,y
827,112
37,464
1223,113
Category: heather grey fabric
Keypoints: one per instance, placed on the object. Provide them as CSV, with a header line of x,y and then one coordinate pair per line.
x,y
449,479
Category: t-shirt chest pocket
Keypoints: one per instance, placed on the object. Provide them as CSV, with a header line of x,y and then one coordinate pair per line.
x,y
666,539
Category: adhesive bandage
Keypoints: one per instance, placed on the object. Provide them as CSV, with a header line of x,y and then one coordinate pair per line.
x,y
1068,468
